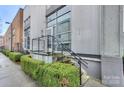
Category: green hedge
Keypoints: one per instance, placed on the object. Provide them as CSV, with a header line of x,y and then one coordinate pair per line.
x,y
6,52
15,56
52,75
3,51
30,66
58,74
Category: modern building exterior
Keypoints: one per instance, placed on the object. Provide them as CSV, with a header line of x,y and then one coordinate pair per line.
x,y
94,32
97,31
26,28
34,24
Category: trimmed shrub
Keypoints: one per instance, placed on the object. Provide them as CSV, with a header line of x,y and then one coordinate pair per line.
x,y
58,74
15,56
55,74
6,52
30,66
3,51
41,72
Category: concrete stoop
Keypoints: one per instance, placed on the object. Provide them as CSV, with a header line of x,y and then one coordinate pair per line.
x,y
88,81
93,83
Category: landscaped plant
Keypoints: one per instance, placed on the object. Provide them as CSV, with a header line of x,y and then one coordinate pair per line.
x,y
3,51
6,52
58,74
15,56
30,66
62,58
51,74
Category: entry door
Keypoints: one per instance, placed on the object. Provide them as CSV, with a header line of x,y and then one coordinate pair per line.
x,y
50,39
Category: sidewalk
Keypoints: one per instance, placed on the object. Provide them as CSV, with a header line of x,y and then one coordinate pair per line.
x,y
11,74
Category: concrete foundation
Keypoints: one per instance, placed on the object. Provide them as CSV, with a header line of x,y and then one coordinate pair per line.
x,y
112,71
47,59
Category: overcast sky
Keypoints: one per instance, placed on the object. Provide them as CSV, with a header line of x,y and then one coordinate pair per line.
x,y
7,13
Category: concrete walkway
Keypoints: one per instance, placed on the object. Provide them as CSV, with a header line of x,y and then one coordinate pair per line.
x,y
11,74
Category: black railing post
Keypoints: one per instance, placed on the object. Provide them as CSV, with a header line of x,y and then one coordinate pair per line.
x,y
48,44
62,52
80,72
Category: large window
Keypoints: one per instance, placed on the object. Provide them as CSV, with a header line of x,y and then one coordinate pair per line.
x,y
63,10
28,42
27,38
27,33
60,22
27,22
51,17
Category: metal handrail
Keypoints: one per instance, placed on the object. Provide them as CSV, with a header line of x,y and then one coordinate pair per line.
x,y
71,52
77,57
66,49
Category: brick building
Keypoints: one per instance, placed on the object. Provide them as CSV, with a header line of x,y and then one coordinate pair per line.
x,y
1,41
17,30
7,39
16,37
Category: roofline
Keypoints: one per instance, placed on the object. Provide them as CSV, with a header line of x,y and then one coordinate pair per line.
x,y
14,19
17,14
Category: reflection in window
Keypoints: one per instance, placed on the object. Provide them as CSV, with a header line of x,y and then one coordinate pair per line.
x,y
51,23
60,22
64,26
27,32
64,17
25,43
51,17
28,42
63,10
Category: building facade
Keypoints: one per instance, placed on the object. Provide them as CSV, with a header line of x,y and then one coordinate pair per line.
x,y
26,28
34,25
93,32
1,41
7,39
17,31
13,37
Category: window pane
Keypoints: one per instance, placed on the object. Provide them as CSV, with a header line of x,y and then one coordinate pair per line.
x,y
64,17
25,42
63,10
51,17
28,42
52,23
64,26
64,37
54,30
49,43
